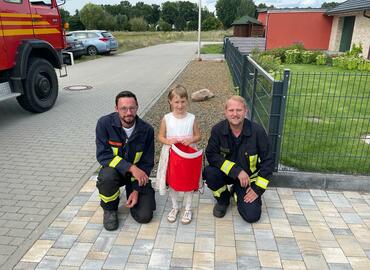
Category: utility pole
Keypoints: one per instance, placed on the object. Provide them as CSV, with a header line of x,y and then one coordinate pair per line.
x,y
199,26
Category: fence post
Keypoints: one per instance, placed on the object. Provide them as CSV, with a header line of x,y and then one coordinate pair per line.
x,y
276,123
255,78
243,90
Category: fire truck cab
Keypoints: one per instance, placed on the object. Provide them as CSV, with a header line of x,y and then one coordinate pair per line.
x,y
31,43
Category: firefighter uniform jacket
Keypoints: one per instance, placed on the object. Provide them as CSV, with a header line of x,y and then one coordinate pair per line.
x,y
249,152
115,150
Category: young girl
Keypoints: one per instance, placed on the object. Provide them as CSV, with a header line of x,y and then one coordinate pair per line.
x,y
178,126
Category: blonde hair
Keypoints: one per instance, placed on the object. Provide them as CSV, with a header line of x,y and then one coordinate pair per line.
x,y
178,90
238,99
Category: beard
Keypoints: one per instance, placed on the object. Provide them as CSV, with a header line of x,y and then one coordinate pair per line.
x,y
128,121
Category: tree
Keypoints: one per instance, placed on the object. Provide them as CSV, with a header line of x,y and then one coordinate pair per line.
x,y
164,26
64,14
138,24
229,10
92,16
169,12
155,15
211,23
329,5
75,22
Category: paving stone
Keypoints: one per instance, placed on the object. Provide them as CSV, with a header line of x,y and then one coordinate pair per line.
x,y
183,251
37,251
226,266
204,244
104,243
52,234
276,213
334,255
165,238
359,262
304,198
136,266
117,257
185,235
265,240
160,259
92,265
142,247
88,236
138,259
77,254
248,262
315,262
25,266
297,220
49,263
350,246
181,263
65,241
202,260
336,231
339,200
7,250
225,254
269,259
340,266
351,218
288,249
293,265
58,252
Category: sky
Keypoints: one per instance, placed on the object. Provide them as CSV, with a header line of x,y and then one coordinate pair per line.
x,y
72,5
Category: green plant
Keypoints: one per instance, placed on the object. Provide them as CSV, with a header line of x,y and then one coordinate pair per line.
x,y
269,63
355,51
321,59
292,56
307,57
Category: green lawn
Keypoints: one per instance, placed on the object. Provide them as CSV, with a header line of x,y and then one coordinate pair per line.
x,y
212,49
327,114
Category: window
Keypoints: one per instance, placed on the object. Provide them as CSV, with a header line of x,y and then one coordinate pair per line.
x,y
92,35
14,1
41,3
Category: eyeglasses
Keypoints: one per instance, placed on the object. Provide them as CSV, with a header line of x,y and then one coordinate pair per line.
x,y
126,109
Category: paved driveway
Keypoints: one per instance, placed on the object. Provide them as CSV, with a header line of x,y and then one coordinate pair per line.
x,y
46,158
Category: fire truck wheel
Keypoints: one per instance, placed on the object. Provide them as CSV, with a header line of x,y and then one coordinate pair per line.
x,y
91,50
40,86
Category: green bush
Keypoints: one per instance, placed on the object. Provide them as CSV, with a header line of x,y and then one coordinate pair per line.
x,y
138,24
164,26
269,63
307,57
355,51
321,59
211,23
292,56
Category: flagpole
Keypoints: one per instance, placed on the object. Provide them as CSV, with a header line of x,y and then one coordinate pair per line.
x,y
199,26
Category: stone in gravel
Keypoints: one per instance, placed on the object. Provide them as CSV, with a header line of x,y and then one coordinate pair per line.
x,y
202,95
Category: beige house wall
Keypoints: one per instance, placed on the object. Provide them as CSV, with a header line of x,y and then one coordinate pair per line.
x,y
336,33
361,33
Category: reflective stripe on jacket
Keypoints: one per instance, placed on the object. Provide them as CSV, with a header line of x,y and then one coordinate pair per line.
x,y
114,149
250,152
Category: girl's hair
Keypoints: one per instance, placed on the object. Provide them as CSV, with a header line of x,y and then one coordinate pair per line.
x,y
178,90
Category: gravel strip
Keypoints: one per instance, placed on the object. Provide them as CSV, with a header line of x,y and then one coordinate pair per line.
x,y
213,75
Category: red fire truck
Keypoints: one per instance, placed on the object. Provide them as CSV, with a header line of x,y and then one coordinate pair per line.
x,y
31,43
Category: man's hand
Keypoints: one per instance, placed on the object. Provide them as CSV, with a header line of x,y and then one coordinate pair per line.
x,y
243,178
132,199
250,195
139,174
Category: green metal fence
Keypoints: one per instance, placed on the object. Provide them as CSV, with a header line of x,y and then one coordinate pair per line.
x,y
316,122
327,122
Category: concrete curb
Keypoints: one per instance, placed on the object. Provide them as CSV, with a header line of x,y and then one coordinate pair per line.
x,y
321,181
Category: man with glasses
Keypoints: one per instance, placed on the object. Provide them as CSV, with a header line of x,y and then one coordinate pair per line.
x,y
125,150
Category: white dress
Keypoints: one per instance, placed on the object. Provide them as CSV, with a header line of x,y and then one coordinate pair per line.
x,y
179,128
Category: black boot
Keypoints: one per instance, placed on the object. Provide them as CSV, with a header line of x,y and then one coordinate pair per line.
x,y
110,220
219,210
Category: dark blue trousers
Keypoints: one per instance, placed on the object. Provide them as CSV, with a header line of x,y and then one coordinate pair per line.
x,y
216,180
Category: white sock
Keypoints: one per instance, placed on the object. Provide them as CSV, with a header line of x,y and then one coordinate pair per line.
x,y
188,196
174,195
